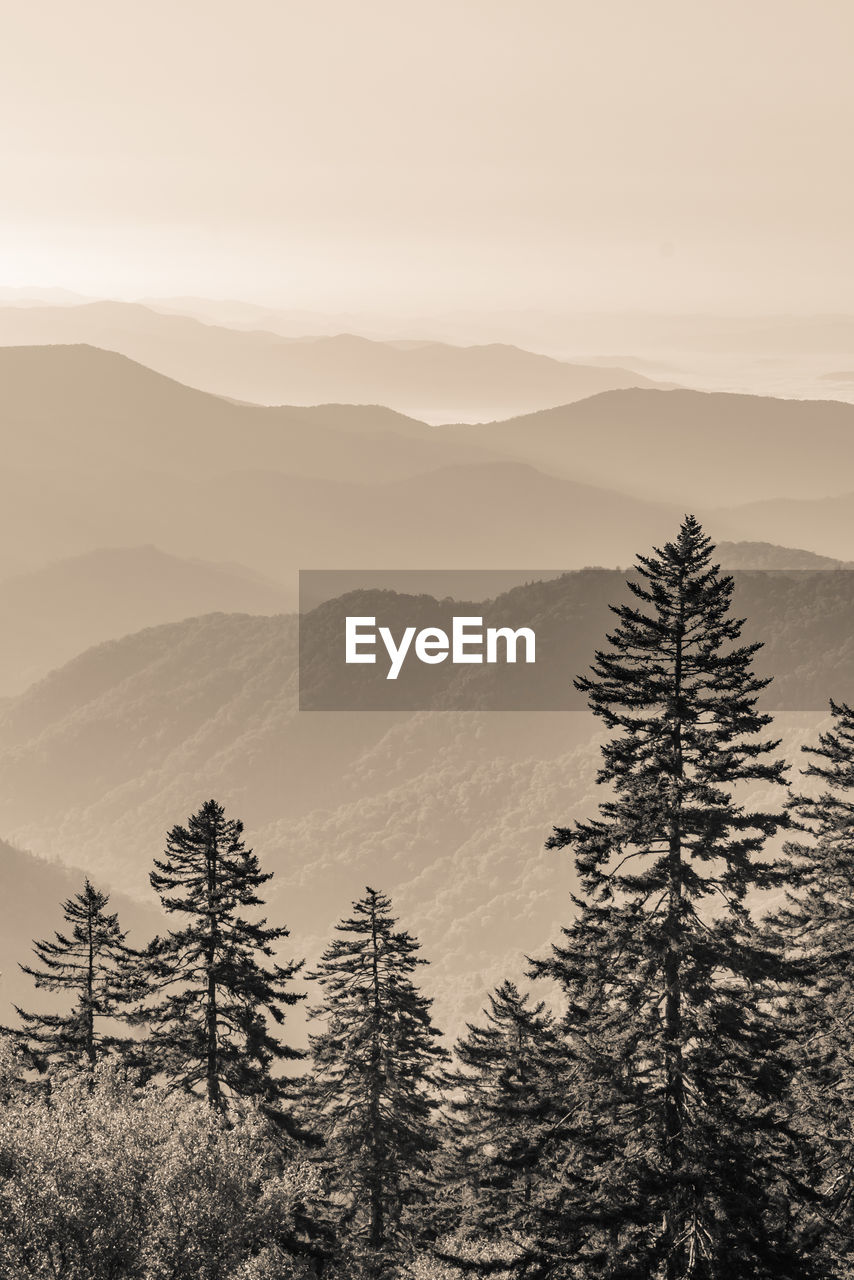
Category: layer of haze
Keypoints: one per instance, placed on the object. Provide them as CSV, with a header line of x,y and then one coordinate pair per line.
x,y
416,156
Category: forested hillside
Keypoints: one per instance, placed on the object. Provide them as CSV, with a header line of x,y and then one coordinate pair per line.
x,y
684,1013
443,806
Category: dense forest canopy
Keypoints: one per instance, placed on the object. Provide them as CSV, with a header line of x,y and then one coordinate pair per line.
x,y
667,1098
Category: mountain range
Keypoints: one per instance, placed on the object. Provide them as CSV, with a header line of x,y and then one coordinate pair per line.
x,y
81,408
428,379
51,614
99,451
138,515
448,810
212,702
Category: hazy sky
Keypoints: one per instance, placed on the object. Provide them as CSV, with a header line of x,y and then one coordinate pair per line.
x,y
432,154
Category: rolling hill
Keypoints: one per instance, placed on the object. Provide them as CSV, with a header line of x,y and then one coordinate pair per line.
x,y
101,451
499,515
82,408
50,615
709,449
422,378
825,525
215,697
446,809
767,555
448,814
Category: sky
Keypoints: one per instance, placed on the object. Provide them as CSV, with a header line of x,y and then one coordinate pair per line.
x,y
432,155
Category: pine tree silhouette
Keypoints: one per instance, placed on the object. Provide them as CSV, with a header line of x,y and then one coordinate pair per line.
x,y
214,985
816,929
681,1171
506,1113
88,962
375,1078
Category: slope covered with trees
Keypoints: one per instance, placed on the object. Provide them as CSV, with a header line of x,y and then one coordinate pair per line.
x,y
672,1103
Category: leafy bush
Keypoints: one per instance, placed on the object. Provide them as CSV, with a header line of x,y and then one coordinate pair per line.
x,y
102,1180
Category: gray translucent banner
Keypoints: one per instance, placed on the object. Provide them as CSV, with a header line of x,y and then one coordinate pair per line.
x,y
510,640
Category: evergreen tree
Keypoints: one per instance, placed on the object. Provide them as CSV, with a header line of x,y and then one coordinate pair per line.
x,y
375,1078
816,927
506,1114
88,962
680,1168
214,985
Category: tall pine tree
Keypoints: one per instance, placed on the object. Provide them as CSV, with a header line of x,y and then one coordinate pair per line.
x,y
816,928
375,1079
88,963
213,980
683,1163
506,1113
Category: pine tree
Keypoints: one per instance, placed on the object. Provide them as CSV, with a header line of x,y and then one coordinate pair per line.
x,y
816,927
88,962
506,1111
680,1169
375,1078
213,981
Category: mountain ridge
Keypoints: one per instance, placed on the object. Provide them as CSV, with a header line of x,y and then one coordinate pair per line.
x,y
253,364
751,447
51,614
